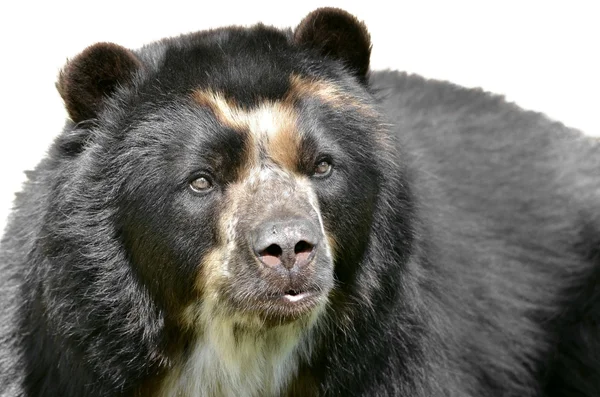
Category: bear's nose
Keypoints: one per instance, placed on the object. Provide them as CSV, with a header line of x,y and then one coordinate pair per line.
x,y
286,242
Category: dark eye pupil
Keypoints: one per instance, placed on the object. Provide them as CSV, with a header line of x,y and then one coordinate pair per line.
x,y
200,184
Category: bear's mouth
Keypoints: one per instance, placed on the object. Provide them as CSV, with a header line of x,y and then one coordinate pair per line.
x,y
294,296
290,305
277,295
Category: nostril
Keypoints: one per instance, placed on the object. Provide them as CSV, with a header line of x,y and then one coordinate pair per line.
x,y
303,246
271,255
302,250
283,243
272,250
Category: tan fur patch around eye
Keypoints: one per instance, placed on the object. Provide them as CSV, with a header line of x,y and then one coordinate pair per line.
x,y
304,87
310,87
284,146
270,125
273,125
226,111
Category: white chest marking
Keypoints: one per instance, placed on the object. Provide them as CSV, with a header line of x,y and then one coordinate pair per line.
x,y
249,365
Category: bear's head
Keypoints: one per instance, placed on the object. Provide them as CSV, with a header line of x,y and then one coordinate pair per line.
x,y
234,173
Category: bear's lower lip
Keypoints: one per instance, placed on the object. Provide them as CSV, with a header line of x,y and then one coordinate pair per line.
x,y
280,308
277,306
294,297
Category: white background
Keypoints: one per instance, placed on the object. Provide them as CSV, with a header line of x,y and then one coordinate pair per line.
x,y
541,54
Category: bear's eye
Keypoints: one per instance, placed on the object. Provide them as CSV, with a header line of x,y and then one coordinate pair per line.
x,y
322,169
201,185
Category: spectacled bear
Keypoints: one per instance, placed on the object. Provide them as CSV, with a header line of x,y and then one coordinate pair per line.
x,y
251,212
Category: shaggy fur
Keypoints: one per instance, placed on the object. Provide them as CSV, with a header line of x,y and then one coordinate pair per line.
x,y
459,250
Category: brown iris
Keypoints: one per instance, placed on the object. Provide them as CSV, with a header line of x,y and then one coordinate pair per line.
x,y
323,168
201,185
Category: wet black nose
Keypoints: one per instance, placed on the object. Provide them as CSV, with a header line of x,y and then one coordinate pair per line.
x,y
288,242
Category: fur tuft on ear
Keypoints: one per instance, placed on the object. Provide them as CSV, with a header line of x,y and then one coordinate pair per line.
x,y
339,35
91,76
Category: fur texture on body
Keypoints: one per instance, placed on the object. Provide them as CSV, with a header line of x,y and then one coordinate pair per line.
x,y
251,212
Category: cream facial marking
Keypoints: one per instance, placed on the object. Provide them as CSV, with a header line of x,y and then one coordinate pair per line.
x,y
271,125
302,87
234,353
228,113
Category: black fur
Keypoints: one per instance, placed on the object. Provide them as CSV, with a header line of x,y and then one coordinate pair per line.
x,y
468,230
94,75
339,35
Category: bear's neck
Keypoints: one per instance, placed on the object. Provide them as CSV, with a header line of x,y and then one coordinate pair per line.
x,y
227,360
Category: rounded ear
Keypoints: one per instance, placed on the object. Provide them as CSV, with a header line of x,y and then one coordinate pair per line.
x,y
337,34
90,77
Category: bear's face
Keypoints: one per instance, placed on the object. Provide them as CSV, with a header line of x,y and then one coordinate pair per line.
x,y
245,208
230,194
245,166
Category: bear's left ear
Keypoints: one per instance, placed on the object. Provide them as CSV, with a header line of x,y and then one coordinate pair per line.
x,y
339,35
89,78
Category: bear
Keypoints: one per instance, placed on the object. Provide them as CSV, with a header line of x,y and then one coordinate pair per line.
x,y
254,212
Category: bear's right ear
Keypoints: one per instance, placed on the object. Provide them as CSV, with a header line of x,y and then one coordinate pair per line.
x,y
93,75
